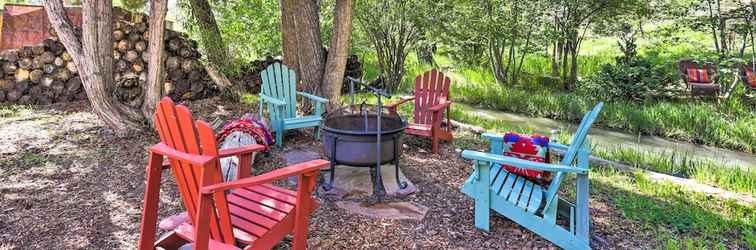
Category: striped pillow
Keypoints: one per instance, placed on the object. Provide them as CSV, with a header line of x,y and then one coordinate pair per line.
x,y
698,75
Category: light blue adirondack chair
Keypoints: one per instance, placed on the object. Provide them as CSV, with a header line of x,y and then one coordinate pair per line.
x,y
527,203
279,92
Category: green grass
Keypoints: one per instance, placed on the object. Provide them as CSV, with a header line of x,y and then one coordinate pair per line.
x,y
675,216
731,178
730,125
8,111
679,217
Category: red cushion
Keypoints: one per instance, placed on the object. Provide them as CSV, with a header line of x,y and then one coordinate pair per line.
x,y
698,75
751,78
531,148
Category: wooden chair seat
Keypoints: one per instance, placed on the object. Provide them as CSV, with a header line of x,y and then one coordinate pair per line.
x,y
259,210
512,188
419,129
528,204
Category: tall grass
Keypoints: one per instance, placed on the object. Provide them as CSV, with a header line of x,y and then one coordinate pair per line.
x,y
731,178
731,125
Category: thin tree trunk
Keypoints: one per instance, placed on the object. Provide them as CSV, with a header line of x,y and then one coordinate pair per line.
x,y
713,29
156,71
333,77
310,48
91,54
216,49
573,67
289,33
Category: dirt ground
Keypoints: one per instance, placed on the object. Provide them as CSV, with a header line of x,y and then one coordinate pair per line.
x,y
67,182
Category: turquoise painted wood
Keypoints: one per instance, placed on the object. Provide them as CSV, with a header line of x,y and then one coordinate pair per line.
x,y
279,95
528,203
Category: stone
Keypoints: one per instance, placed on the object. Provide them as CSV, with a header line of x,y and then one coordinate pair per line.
x,y
391,211
388,176
349,182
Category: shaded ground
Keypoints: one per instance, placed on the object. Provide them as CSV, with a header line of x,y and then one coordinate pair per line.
x,y
66,181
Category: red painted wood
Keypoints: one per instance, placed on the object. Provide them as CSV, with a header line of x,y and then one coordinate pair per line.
x,y
250,215
431,102
151,202
256,213
277,193
264,200
256,207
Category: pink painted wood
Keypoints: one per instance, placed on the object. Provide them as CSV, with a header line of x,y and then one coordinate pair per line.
x,y
431,100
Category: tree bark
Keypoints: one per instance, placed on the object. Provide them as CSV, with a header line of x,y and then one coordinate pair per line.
x,y
92,55
333,77
217,51
289,33
156,71
310,47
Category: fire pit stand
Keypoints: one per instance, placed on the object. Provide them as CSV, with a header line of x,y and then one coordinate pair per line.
x,y
354,136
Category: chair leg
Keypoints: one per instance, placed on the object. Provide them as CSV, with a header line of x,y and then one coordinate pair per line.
x,y
279,138
434,141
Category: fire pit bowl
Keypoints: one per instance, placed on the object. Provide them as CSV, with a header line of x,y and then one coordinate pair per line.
x,y
349,137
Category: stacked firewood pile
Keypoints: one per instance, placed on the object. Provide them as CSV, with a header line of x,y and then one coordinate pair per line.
x,y
251,72
44,74
250,77
354,70
39,74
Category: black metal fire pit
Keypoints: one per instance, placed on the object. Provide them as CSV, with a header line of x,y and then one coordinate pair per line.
x,y
352,135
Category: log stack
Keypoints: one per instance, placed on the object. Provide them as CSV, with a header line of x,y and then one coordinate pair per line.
x,y
45,73
251,72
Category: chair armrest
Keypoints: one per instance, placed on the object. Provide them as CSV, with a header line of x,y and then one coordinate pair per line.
x,y
272,100
313,97
558,146
511,161
400,102
281,173
164,150
492,137
441,106
248,149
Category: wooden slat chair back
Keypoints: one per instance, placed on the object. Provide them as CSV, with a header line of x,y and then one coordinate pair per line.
x,y
431,102
178,132
280,82
279,94
527,203
249,210
431,89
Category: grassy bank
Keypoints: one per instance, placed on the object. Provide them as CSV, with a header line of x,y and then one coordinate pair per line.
x,y
730,125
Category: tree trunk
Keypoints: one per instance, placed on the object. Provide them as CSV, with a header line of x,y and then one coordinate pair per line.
x,y
310,48
155,73
216,49
289,33
573,67
333,77
92,55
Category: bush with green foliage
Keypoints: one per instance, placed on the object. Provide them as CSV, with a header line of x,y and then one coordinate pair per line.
x,y
635,80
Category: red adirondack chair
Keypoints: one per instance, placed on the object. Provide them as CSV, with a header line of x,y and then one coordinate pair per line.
x,y
255,214
431,99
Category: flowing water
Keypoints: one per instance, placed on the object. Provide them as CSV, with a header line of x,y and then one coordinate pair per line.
x,y
609,138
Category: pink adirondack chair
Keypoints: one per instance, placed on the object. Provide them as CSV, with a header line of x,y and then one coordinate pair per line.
x,y
431,100
248,213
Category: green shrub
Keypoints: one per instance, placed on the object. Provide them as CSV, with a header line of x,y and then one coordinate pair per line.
x,y
635,80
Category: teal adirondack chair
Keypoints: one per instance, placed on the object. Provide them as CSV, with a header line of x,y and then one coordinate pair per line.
x,y
527,203
279,92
